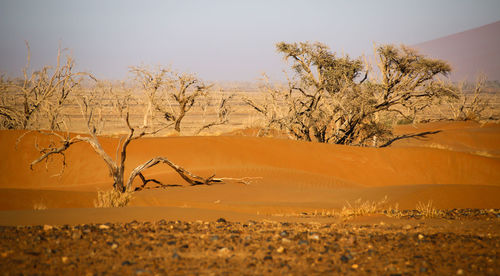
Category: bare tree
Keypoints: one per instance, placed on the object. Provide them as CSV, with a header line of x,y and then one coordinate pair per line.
x,y
184,89
220,106
470,106
92,107
40,96
171,94
152,81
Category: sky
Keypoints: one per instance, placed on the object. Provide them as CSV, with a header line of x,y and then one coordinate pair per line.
x,y
219,40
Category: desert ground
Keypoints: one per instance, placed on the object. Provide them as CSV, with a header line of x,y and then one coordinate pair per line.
x,y
303,207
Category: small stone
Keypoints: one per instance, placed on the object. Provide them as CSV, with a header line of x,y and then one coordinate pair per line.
x,y
407,227
176,256
420,236
301,242
314,237
214,238
355,266
223,251
344,258
285,240
64,259
47,227
126,262
114,246
460,272
222,220
280,249
284,234
268,258
103,227
142,272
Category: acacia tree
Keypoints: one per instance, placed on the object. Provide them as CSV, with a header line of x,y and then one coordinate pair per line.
x,y
409,80
93,108
39,97
331,100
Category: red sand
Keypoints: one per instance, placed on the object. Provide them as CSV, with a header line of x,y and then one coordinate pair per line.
x,y
458,167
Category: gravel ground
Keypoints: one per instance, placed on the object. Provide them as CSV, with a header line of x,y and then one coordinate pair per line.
x,y
409,247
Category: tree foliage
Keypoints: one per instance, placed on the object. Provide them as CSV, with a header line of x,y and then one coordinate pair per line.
x,y
331,99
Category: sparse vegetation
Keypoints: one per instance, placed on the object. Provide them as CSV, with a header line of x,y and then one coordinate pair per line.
x,y
171,95
92,108
36,101
360,207
112,198
427,210
39,205
332,99
470,106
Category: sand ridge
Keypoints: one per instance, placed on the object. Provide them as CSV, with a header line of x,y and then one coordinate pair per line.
x,y
290,176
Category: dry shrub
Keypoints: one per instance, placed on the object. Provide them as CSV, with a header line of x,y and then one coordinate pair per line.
x,y
427,209
359,207
470,105
39,206
112,198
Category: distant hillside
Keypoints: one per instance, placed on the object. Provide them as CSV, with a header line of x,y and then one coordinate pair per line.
x,y
469,52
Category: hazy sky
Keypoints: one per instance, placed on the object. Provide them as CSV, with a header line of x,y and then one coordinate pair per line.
x,y
218,40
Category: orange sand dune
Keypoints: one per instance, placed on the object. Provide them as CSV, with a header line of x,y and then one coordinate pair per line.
x,y
463,171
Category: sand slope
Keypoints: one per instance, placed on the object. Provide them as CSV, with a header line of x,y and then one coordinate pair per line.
x,y
456,168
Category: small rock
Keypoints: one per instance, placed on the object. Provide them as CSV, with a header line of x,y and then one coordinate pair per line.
x,y
64,259
103,226
222,220
460,272
344,258
126,262
407,227
223,251
314,237
47,227
142,272
280,249
176,256
284,234
420,236
114,246
285,240
76,235
301,242
268,258
355,266
214,238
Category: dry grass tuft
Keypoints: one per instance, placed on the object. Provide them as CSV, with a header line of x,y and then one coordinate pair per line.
x,y
427,209
359,207
39,206
112,198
